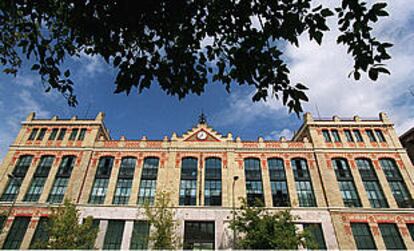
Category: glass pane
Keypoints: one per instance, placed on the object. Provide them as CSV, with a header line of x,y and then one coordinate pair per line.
x,y
16,234
114,233
362,235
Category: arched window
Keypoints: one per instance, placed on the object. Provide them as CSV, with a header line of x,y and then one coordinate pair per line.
x,y
372,186
188,183
19,172
124,183
346,183
62,179
212,188
100,185
39,179
396,182
278,183
148,184
303,183
254,186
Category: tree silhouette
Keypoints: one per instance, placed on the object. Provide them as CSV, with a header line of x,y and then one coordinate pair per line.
x,y
183,45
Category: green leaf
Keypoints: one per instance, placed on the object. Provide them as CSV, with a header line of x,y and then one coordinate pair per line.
x,y
67,73
35,67
373,73
327,12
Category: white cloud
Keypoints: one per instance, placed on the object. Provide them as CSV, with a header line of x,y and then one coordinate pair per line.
x,y
324,69
275,135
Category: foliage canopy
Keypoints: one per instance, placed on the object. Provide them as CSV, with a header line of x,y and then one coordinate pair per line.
x,y
257,228
65,231
182,45
161,219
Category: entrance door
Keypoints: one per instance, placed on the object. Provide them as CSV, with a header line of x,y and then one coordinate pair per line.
x,y
199,235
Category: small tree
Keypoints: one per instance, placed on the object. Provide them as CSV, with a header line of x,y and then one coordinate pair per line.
x,y
161,219
257,228
65,232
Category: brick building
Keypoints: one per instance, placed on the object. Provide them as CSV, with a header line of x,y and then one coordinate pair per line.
x,y
349,180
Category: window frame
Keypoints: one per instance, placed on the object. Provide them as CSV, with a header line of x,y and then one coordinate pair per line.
x,y
344,176
212,181
278,182
303,183
188,182
148,182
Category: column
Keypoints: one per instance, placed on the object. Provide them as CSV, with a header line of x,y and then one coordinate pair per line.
x,y
126,236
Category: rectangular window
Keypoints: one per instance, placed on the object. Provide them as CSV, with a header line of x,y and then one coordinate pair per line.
x,y
372,186
19,172
371,136
362,236
140,233
315,230
124,183
62,179
396,183
346,183
278,183
336,136
73,134
114,233
2,222
348,136
254,185
303,183
16,234
53,134
411,230
358,136
212,188
380,135
326,136
82,134
100,185
62,133
33,134
39,179
188,182
41,235
148,184
199,235
391,236
41,134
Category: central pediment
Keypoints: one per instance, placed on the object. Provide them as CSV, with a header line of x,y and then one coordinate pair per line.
x,y
202,133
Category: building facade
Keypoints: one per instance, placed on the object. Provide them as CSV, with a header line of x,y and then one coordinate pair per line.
x,y
407,140
349,180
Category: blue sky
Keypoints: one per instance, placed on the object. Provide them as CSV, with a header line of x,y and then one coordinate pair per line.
x,y
154,114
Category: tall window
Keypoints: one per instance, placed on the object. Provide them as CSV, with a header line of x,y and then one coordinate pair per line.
x,y
100,185
303,183
16,234
278,183
336,136
391,236
346,183
411,230
396,183
62,179
39,179
371,136
348,136
113,236
212,190
315,230
82,134
62,133
124,183
33,134
140,233
326,136
53,134
254,186
372,186
362,236
199,235
19,173
73,134
188,183
41,134
358,135
41,234
380,135
148,184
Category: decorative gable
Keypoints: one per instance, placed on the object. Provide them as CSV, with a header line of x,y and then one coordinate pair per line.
x,y
202,133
